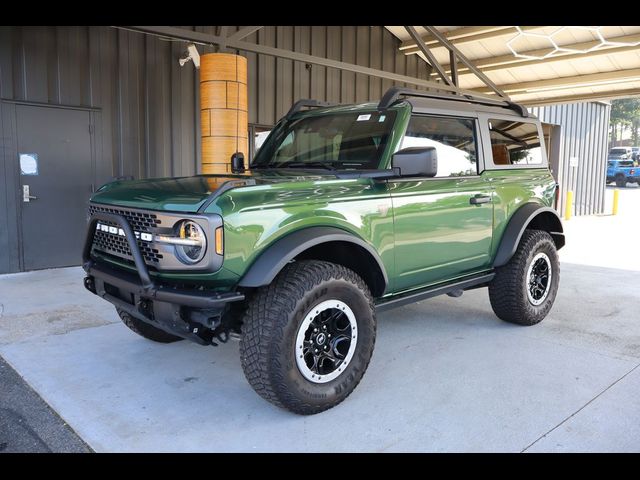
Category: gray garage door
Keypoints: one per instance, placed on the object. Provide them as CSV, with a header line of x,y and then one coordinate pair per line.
x,y
54,152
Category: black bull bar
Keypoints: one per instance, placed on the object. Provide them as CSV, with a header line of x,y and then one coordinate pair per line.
x,y
167,300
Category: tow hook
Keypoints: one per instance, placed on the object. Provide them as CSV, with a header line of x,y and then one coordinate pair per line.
x,y
89,284
221,334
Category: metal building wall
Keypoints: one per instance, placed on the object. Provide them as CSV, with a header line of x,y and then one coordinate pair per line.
x,y
145,105
585,130
148,102
274,84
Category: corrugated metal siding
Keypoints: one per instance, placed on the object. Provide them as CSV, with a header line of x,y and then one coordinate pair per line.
x,y
145,104
585,129
148,101
274,84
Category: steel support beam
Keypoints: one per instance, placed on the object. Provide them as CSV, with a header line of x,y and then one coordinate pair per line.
x,y
222,31
209,39
465,35
453,68
577,81
243,32
433,31
489,64
430,58
178,33
610,95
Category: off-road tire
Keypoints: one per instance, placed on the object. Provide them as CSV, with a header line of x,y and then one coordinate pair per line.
x,y
145,330
621,181
271,323
508,290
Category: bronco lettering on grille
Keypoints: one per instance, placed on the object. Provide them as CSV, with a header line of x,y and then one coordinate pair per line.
x,y
147,237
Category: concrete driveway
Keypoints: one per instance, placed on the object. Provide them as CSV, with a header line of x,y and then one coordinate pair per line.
x,y
446,375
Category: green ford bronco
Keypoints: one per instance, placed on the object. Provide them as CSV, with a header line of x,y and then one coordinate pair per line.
x,y
345,211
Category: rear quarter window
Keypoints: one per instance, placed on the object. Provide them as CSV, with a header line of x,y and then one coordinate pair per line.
x,y
515,143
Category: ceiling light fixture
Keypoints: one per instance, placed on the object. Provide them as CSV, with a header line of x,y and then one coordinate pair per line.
x,y
555,49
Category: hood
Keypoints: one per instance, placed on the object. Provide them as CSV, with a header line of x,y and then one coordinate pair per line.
x,y
189,194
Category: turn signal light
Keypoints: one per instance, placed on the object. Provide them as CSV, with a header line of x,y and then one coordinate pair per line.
x,y
219,241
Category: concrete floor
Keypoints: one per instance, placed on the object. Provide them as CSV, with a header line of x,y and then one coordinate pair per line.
x,y
446,376
27,423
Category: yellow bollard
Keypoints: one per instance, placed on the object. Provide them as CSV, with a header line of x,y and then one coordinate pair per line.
x,y
567,205
616,196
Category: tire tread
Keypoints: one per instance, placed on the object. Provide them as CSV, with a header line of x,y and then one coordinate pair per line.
x,y
505,294
266,318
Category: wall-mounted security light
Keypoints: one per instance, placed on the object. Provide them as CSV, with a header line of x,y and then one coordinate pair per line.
x,y
191,54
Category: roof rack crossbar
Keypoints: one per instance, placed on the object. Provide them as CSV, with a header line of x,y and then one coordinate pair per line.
x,y
394,93
300,104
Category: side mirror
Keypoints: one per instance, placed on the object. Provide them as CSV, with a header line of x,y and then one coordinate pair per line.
x,y
237,162
416,162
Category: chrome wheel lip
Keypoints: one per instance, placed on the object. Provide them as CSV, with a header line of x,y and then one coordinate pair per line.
x,y
306,372
545,258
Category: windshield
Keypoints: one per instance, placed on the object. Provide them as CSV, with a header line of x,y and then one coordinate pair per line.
x,y
351,140
617,151
621,163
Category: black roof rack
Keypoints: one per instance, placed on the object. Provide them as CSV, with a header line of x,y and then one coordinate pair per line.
x,y
394,93
300,104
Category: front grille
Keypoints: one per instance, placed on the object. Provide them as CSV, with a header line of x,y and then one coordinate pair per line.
x,y
139,221
118,246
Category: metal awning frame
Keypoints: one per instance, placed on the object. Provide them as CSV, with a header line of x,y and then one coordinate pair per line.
x,y
237,41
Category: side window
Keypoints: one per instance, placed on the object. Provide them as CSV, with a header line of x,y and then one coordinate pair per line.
x,y
515,143
260,134
257,135
453,138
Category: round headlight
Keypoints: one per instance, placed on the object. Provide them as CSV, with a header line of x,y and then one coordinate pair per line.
x,y
194,247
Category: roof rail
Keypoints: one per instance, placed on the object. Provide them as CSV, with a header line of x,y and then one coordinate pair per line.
x,y
394,93
300,104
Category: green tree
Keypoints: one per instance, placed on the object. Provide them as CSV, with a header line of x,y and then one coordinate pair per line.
x,y
625,113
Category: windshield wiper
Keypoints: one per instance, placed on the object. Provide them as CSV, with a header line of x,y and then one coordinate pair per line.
x,y
294,164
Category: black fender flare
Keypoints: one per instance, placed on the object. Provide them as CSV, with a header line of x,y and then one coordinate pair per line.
x,y
518,223
282,251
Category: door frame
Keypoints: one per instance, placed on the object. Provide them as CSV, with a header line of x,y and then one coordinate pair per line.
x,y
9,165
480,163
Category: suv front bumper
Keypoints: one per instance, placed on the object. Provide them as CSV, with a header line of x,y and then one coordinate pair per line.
x,y
188,313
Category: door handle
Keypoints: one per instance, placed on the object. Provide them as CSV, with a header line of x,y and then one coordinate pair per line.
x,y
479,199
26,197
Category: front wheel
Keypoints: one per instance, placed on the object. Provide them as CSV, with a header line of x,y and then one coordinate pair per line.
x,y
308,337
523,290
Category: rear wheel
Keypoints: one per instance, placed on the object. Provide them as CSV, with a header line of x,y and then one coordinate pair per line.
x,y
307,338
145,330
621,181
523,290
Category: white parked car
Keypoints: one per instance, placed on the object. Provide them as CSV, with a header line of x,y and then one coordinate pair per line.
x,y
620,152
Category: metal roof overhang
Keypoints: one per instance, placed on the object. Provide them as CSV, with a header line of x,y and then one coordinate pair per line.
x,y
554,64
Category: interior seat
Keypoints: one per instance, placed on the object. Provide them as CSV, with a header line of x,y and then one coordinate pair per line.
x,y
500,155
